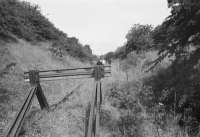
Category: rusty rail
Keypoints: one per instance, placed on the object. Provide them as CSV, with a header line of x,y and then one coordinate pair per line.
x,y
66,74
62,70
14,129
93,115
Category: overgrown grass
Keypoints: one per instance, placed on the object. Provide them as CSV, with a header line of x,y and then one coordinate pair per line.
x,y
124,112
19,57
23,20
130,110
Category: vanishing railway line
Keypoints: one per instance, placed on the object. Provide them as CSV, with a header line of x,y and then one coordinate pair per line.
x,y
34,77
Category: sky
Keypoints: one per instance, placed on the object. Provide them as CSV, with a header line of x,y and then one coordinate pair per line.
x,y
103,24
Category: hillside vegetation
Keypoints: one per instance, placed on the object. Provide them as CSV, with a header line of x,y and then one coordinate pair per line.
x,y
153,91
66,98
28,40
170,92
23,20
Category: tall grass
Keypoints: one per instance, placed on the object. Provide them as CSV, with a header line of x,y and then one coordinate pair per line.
x,y
126,111
23,20
24,56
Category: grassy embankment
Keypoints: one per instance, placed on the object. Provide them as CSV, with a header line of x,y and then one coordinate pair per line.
x,y
123,112
23,20
30,41
126,111
19,57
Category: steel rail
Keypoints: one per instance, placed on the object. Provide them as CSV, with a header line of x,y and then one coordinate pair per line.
x,y
59,70
93,117
61,78
60,74
47,75
17,123
65,74
14,129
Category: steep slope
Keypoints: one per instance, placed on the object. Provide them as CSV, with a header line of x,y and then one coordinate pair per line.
x,y
21,19
28,40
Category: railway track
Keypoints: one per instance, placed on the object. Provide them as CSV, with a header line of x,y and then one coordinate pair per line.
x,y
35,77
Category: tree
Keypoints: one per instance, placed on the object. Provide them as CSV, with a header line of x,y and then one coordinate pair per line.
x,y
120,52
88,49
178,36
109,56
181,29
139,38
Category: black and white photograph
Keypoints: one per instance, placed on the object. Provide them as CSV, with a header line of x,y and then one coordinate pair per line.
x,y
99,68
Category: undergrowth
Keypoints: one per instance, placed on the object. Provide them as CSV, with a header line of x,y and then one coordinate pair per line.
x,y
130,109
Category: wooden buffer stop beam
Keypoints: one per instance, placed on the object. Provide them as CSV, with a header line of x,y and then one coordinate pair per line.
x,y
35,89
34,77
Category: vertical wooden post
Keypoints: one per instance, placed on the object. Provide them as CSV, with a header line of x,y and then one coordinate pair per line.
x,y
87,116
14,129
98,73
41,98
35,80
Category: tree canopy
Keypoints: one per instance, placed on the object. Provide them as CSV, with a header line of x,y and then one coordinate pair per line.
x,y
139,38
178,85
181,29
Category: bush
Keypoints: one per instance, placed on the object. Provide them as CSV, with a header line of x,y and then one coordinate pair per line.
x,y
123,98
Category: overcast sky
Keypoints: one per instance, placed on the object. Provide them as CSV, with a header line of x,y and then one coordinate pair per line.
x,y
102,24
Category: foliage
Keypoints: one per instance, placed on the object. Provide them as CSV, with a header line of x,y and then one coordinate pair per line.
x,y
87,49
139,38
120,52
127,64
109,56
177,86
72,46
177,39
123,98
180,30
24,20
